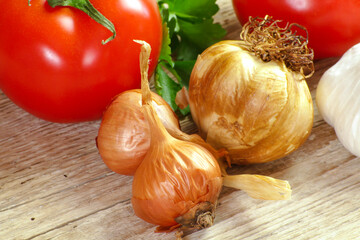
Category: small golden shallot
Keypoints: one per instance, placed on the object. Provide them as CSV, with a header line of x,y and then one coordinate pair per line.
x,y
174,178
250,96
178,182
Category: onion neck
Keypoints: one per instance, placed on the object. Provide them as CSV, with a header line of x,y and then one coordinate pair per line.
x,y
89,9
158,132
144,69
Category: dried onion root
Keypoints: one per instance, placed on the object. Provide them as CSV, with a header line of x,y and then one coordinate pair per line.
x,y
269,41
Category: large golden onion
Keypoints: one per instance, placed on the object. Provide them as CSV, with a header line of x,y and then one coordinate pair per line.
x,y
259,111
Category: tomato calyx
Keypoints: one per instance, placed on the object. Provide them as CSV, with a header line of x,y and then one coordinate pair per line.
x,y
89,9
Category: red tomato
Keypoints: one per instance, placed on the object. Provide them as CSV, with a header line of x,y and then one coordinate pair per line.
x,y
333,25
52,62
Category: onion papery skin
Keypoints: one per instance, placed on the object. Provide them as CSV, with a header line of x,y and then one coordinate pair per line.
x,y
124,135
172,179
258,111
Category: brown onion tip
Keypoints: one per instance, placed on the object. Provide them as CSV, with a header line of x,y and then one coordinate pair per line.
x,y
270,42
200,216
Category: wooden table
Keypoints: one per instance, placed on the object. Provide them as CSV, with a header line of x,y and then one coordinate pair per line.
x,y
54,185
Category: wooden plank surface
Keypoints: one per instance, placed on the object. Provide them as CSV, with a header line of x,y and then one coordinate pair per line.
x,y
54,185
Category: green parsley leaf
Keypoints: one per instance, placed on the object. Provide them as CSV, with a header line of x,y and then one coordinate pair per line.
x,y
183,70
189,30
165,53
198,36
165,86
198,8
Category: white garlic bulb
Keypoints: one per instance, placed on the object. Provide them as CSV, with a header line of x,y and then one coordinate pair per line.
x,y
338,99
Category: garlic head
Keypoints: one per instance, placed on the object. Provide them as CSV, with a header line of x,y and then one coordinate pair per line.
x,y
338,99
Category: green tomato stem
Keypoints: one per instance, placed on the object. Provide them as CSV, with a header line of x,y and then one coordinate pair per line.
x,y
89,9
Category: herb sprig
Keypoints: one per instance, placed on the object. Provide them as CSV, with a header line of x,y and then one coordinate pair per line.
x,y
188,29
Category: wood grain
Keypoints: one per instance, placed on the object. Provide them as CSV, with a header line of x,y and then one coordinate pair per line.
x,y
54,185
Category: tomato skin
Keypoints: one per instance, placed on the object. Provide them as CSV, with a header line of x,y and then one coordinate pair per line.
x,y
333,25
52,62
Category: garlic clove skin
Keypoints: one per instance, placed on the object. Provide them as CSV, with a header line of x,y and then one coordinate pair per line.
x,y
338,101
257,111
124,137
